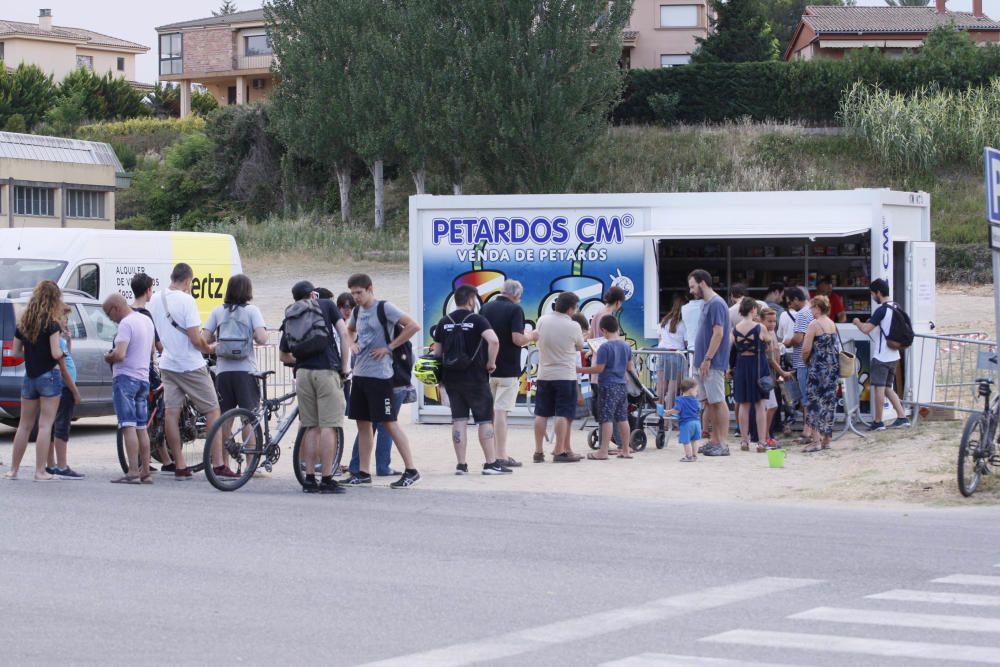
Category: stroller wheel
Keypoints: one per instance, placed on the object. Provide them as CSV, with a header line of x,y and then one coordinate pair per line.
x,y
594,440
637,440
661,439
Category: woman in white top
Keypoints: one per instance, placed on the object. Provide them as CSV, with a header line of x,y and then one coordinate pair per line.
x,y
674,365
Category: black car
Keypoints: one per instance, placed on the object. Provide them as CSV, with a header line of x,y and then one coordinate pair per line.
x,y
93,335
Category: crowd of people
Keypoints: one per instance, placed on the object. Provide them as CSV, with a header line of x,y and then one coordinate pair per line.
x,y
350,357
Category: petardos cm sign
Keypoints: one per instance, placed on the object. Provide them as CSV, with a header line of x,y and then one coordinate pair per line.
x,y
992,164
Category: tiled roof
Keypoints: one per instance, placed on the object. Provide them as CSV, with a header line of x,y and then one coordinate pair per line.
x,y
62,32
249,16
890,19
57,149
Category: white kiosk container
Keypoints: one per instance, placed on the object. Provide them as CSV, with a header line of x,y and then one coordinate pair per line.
x,y
648,243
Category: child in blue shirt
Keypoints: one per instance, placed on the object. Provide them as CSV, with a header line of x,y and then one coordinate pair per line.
x,y
612,360
688,413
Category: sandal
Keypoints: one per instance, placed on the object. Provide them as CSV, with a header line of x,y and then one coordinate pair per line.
x,y
812,449
538,457
688,459
595,457
761,448
625,456
744,446
146,479
127,479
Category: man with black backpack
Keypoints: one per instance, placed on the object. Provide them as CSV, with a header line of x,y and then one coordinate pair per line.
x,y
307,341
466,364
894,334
381,362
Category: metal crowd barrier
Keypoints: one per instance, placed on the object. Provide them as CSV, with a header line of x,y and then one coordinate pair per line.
x,y
945,369
267,360
655,367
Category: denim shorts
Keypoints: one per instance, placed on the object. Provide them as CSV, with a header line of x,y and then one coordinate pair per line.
x,y
131,406
46,385
689,432
802,378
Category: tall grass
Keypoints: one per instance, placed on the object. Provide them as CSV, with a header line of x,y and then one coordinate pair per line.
x,y
143,135
927,129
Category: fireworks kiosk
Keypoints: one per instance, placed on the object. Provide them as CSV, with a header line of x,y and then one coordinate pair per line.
x,y
648,244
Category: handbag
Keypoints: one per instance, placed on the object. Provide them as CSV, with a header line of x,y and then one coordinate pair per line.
x,y
765,383
847,360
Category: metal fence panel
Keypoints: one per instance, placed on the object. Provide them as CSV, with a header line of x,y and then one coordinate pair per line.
x,y
945,369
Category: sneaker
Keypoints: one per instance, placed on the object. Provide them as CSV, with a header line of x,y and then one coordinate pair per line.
x,y
462,469
496,469
902,422
358,480
184,475
224,471
407,479
772,444
509,463
51,470
331,486
168,469
152,468
876,426
388,473
538,458
309,485
67,473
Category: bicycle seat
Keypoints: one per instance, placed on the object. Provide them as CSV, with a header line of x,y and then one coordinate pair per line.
x,y
260,375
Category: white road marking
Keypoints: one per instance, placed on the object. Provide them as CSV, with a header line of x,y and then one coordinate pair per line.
x,y
667,660
968,580
593,625
939,597
881,647
901,619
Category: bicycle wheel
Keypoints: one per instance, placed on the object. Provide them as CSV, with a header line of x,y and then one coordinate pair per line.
x,y
299,467
970,461
242,445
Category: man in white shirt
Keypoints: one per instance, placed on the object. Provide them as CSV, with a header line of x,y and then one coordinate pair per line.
x,y
185,373
691,316
884,358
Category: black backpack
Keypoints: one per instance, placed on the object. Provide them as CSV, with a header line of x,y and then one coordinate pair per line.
x,y
900,334
454,356
402,356
306,330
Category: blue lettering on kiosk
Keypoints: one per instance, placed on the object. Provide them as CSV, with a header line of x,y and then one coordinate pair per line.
x,y
537,230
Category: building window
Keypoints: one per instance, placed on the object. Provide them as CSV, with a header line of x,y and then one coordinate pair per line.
x,y
34,201
171,54
256,45
679,16
84,204
1,50
674,60
85,62
121,64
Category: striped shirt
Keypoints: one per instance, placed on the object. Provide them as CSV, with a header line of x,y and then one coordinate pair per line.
x,y
802,321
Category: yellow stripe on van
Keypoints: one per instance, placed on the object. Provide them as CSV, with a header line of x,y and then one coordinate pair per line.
x,y
210,257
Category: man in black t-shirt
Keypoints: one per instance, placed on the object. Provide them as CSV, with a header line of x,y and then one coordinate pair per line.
x,y
507,319
319,385
469,388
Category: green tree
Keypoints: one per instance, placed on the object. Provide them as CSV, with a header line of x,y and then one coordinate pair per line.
x,y
82,84
67,114
27,91
164,101
203,103
907,3
740,33
225,9
784,16
15,123
122,101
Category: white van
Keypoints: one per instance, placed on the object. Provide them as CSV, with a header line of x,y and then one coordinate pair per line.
x,y
100,262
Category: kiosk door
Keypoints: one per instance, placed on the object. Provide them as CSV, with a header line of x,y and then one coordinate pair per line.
x,y
920,358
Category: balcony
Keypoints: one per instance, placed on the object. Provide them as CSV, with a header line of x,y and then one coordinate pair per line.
x,y
629,38
254,62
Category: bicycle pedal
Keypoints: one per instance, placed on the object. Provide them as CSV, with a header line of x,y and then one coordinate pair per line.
x,y
267,467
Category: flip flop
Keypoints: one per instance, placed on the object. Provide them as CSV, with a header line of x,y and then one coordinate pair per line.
x,y
46,480
594,457
812,450
625,456
146,479
125,479
12,476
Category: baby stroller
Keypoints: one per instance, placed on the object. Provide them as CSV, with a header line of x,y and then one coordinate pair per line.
x,y
641,405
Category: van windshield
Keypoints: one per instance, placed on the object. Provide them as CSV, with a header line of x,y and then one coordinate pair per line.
x,y
26,273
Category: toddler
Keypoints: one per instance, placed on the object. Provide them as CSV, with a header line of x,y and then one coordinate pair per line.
x,y
686,408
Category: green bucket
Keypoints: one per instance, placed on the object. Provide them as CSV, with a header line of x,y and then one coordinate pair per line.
x,y
776,458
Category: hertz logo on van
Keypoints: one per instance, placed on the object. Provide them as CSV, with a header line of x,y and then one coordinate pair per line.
x,y
207,287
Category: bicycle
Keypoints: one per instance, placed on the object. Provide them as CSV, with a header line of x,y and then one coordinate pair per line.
x,y
978,450
192,429
247,439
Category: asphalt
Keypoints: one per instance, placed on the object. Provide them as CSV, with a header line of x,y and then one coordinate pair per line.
x,y
180,573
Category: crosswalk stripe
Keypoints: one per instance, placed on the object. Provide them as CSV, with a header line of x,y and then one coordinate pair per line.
x,y
593,625
901,619
668,660
939,597
968,580
860,645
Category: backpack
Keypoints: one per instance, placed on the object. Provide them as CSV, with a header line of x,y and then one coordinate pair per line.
x,y
454,356
234,335
900,334
402,356
306,330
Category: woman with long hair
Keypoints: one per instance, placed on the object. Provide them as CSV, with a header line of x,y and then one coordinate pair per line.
x,y
36,339
673,338
750,341
819,352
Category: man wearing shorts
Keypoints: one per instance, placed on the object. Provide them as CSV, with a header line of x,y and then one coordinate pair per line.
x,y
799,303
468,388
319,388
183,368
559,343
884,358
506,316
711,358
129,359
371,386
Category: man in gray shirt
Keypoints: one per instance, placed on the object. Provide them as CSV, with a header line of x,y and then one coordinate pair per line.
x,y
371,387
711,358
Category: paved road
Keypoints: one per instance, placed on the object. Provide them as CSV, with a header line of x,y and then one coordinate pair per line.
x,y
180,573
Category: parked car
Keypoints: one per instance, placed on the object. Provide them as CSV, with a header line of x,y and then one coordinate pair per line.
x,y
93,335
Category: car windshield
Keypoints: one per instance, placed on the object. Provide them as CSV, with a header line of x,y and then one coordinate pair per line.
x,y
26,273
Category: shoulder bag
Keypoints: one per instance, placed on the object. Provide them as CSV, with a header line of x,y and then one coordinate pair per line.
x,y
765,383
847,360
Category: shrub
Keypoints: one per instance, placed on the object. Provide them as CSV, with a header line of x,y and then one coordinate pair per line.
x,y
16,123
143,135
664,106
